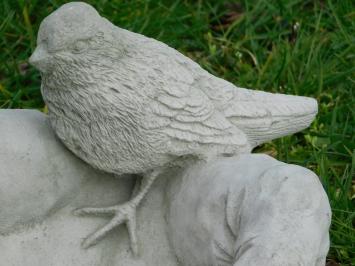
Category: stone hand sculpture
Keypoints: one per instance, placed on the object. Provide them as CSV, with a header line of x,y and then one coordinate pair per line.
x,y
245,210
128,104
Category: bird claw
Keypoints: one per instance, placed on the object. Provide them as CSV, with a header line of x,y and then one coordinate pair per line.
x,y
125,213
94,211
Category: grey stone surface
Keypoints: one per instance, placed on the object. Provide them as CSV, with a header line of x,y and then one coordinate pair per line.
x,y
244,210
128,104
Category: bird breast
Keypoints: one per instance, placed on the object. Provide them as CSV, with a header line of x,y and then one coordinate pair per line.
x,y
102,127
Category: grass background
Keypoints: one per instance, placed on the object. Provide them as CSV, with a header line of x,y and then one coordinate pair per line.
x,y
297,47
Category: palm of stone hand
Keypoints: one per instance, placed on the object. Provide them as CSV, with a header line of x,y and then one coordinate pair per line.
x,y
225,212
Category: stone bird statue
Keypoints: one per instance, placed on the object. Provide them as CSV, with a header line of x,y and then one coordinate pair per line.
x,y
128,104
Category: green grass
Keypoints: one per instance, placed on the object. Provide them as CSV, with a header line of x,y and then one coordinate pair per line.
x,y
297,47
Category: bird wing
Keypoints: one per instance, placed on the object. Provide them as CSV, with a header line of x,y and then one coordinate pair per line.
x,y
184,113
195,109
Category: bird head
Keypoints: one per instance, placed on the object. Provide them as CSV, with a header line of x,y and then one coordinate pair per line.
x,y
67,36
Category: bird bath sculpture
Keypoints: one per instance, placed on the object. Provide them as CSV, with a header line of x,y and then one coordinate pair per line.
x,y
136,110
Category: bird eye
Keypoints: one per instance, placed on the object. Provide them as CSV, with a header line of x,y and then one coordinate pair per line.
x,y
80,46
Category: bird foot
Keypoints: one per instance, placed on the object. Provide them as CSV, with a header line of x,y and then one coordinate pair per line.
x,y
125,213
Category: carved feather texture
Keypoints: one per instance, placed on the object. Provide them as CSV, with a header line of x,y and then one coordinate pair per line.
x,y
126,103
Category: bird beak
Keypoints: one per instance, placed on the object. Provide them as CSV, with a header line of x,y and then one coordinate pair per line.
x,y
40,59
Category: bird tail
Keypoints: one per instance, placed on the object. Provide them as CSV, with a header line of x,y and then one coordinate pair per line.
x,y
265,116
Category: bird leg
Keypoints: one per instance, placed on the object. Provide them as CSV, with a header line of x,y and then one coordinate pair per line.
x,y
122,213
